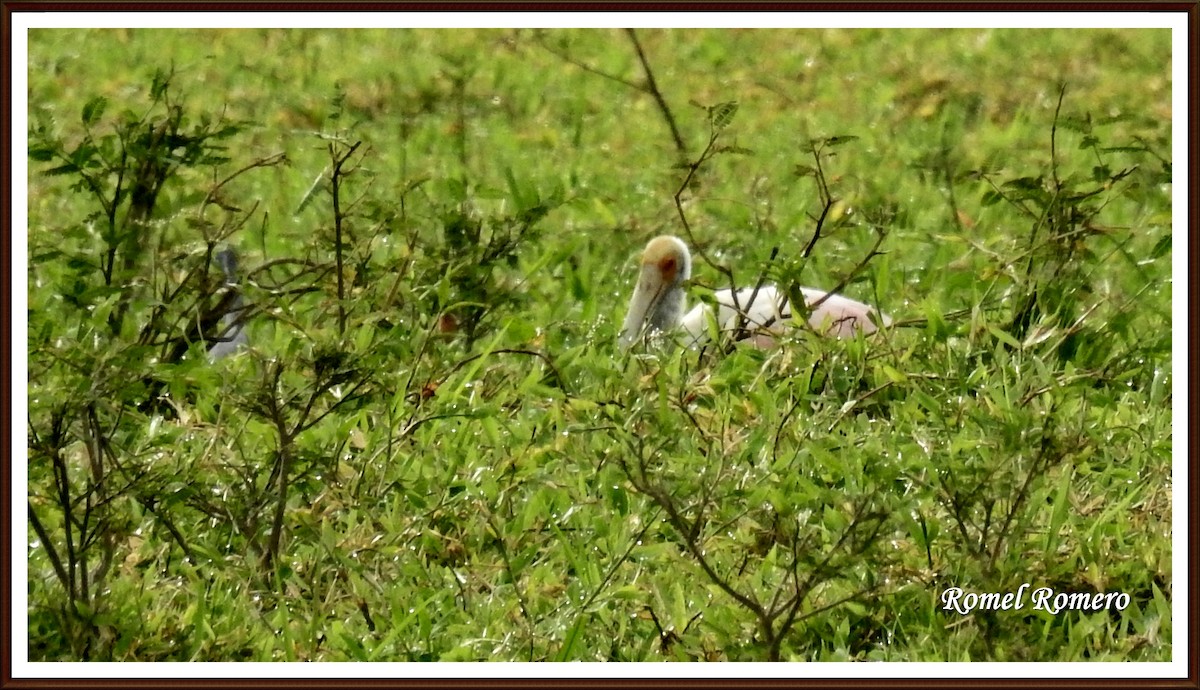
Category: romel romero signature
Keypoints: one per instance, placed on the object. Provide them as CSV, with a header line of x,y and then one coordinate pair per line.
x,y
1042,599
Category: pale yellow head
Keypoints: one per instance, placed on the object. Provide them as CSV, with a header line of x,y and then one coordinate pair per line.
x,y
657,303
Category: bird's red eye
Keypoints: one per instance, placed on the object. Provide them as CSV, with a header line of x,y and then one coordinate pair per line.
x,y
668,267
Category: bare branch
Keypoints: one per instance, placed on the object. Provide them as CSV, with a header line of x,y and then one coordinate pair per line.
x,y
652,88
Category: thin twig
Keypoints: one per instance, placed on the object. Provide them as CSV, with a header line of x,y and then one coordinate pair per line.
x,y
264,162
335,179
652,88
51,552
566,57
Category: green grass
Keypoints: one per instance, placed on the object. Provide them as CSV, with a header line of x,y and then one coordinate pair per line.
x,y
472,471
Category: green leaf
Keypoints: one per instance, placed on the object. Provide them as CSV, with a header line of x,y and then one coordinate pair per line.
x,y
1058,516
47,255
564,654
93,110
62,170
1076,124
159,84
1161,247
893,375
455,189
84,155
42,153
311,192
628,593
1004,337
991,197
228,131
722,114
524,198
840,139
491,193
1026,183
521,331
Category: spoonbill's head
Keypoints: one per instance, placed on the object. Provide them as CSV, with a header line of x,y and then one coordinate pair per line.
x,y
658,299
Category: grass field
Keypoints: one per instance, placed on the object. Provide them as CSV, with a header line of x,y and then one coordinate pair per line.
x,y
433,449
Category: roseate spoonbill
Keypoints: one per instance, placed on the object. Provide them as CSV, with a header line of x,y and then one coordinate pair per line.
x,y
658,305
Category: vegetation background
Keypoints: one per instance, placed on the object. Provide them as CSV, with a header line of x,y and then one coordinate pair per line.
x,y
432,449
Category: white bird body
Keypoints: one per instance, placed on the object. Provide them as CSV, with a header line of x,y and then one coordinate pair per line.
x,y
761,313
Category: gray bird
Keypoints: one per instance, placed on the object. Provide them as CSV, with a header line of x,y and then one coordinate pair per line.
x,y
232,333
